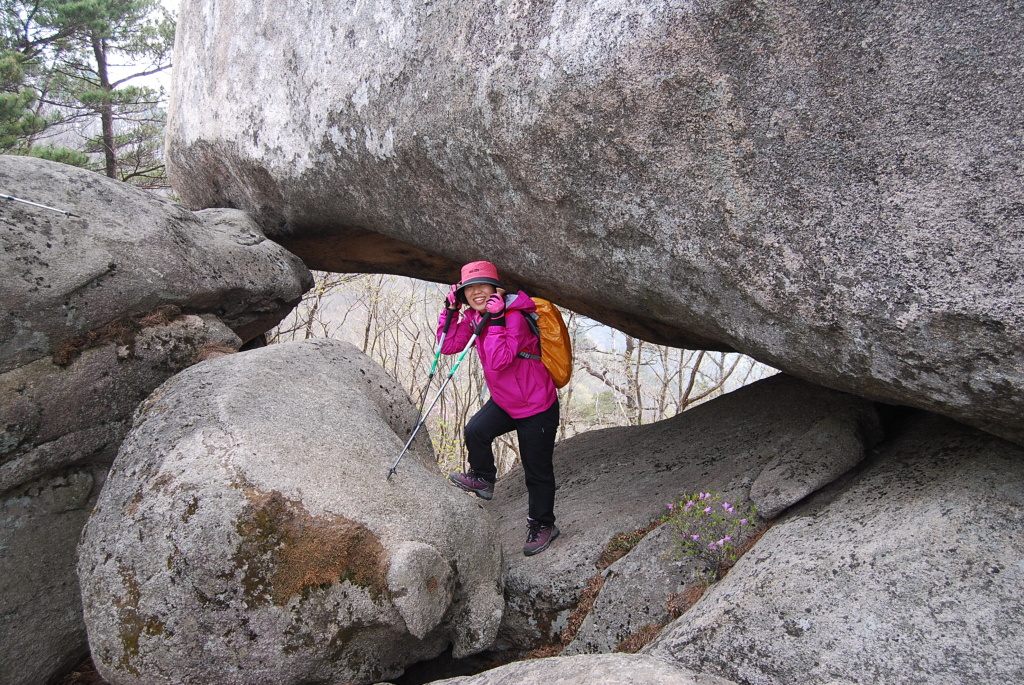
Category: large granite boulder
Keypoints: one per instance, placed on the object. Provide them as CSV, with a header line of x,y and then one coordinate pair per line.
x,y
598,669
832,188
97,308
125,253
903,568
248,531
911,573
619,480
73,420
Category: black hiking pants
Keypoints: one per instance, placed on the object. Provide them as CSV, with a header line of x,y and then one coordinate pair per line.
x,y
536,445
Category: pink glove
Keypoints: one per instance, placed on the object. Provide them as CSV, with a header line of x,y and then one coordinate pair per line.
x,y
496,304
452,302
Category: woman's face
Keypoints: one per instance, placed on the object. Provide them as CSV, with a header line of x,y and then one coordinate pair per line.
x,y
477,294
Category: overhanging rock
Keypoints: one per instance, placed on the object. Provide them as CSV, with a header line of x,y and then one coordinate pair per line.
x,y
831,188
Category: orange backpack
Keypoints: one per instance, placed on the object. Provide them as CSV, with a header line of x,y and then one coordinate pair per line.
x,y
555,342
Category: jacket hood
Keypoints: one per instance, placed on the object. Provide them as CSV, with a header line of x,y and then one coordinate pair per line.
x,y
519,302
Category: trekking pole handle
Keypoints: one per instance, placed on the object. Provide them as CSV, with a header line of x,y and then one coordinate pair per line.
x,y
472,341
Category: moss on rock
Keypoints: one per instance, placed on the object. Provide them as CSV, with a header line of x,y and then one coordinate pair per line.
x,y
285,551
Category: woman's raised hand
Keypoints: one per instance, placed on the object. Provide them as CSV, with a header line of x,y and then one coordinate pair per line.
x,y
452,301
496,304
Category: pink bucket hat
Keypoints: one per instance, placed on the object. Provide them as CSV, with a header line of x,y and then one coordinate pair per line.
x,y
477,272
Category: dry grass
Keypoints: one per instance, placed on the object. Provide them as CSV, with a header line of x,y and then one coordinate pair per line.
x,y
161,316
212,351
680,603
753,539
622,544
121,331
578,614
640,639
545,652
576,619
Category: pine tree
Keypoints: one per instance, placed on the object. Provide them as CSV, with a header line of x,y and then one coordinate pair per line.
x,y
17,120
76,53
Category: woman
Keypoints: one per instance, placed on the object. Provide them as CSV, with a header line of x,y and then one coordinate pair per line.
x,y
523,396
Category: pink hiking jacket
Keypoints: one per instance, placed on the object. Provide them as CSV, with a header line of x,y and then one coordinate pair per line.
x,y
522,387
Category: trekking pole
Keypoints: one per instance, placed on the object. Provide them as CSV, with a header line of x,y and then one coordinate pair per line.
x,y
36,204
423,417
450,314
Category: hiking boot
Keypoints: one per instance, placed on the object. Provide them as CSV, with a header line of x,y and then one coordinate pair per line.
x,y
470,482
538,537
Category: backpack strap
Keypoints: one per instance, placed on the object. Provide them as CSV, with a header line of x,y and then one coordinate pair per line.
x,y
531,322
